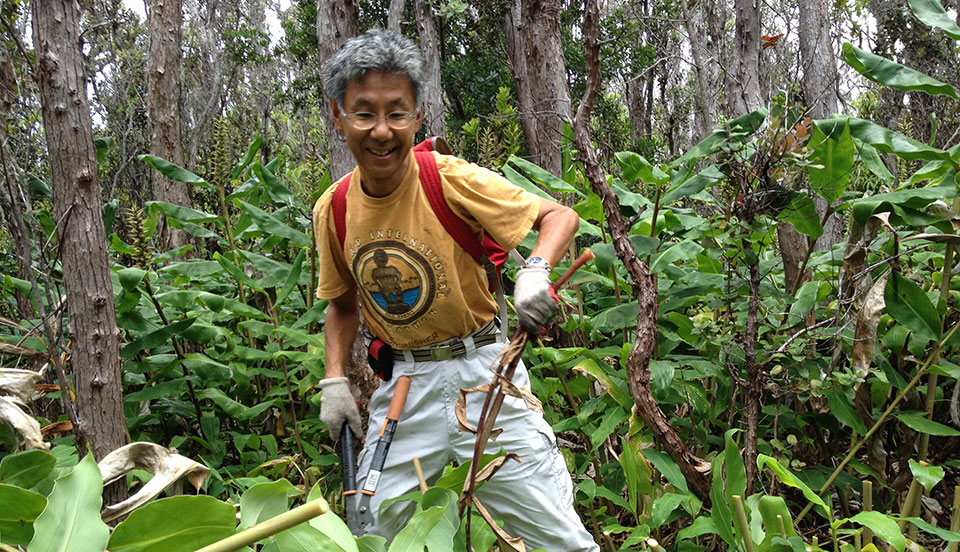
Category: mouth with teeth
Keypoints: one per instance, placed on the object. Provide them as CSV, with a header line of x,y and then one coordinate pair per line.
x,y
381,153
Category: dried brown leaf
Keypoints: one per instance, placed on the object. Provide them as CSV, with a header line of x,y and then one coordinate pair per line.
x,y
56,427
461,408
166,466
505,541
531,401
865,335
19,383
11,349
44,388
936,238
14,411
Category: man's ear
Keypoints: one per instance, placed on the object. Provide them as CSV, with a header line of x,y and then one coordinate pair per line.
x,y
335,109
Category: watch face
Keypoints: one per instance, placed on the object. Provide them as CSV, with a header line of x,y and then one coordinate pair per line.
x,y
537,262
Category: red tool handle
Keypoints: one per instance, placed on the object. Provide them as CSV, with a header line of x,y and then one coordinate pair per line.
x,y
581,260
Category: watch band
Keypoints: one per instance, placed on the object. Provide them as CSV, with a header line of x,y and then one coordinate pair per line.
x,y
536,262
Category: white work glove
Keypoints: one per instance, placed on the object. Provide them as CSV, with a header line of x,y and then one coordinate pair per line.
x,y
534,298
337,405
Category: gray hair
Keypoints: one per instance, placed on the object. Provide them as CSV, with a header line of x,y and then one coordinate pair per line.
x,y
375,50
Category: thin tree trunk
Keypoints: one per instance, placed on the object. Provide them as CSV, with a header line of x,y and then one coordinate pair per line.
x,y
435,113
544,83
512,29
742,80
395,14
336,22
9,190
95,349
703,96
163,111
638,363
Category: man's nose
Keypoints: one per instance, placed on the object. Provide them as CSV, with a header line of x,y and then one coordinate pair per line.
x,y
381,128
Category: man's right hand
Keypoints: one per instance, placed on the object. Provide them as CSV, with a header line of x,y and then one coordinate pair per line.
x,y
337,405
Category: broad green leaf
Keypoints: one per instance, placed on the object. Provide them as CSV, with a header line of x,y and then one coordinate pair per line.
x,y
102,145
26,469
687,249
770,507
247,158
293,277
907,303
833,158
181,213
371,543
882,138
273,185
948,536
694,185
518,179
272,226
932,13
232,407
131,277
169,389
802,214
737,131
720,510
883,527
736,471
702,525
841,407
805,300
306,538
666,466
175,524
637,472
543,177
787,478
923,425
890,73
264,501
71,521
928,476
594,368
635,167
172,171
440,513
663,506
235,273
913,198
19,508
615,318
871,159
156,338
334,527
194,268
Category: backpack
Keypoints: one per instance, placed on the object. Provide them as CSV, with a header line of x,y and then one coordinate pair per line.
x,y
486,252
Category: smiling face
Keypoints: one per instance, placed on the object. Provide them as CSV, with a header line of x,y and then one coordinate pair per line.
x,y
381,152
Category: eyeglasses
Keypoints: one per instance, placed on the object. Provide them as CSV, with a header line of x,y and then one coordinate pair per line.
x,y
363,120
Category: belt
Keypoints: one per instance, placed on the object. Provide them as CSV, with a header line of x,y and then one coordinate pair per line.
x,y
452,348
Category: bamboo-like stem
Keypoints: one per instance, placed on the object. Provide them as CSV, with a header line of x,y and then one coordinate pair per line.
x,y
867,500
420,478
743,523
857,542
7,548
270,527
783,527
883,418
910,504
955,518
654,545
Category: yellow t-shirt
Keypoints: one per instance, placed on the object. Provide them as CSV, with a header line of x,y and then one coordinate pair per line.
x,y
417,285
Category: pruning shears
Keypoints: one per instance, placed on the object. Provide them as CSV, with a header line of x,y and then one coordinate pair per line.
x,y
360,517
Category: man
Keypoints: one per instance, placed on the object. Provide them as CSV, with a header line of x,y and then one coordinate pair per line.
x,y
420,290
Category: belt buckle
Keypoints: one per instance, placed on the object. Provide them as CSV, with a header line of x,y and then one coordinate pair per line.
x,y
441,353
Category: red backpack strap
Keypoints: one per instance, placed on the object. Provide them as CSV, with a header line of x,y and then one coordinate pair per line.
x,y
339,206
454,225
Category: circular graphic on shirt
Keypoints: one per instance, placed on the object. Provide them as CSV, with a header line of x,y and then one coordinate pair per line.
x,y
396,280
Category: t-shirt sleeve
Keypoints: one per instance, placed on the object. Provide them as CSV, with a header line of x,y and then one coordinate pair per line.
x,y
334,277
506,211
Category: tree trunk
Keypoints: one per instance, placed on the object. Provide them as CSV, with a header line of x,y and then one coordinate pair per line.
x,y
637,107
163,111
512,25
92,325
742,80
703,96
638,362
336,22
9,190
543,80
395,15
820,80
435,113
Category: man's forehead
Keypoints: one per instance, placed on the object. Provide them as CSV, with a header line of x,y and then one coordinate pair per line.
x,y
378,86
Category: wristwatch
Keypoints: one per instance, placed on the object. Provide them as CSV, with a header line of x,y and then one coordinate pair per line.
x,y
536,262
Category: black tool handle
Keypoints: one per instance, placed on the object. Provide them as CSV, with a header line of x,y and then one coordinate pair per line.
x,y
347,460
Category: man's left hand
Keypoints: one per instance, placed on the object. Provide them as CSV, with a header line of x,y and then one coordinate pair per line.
x,y
534,298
